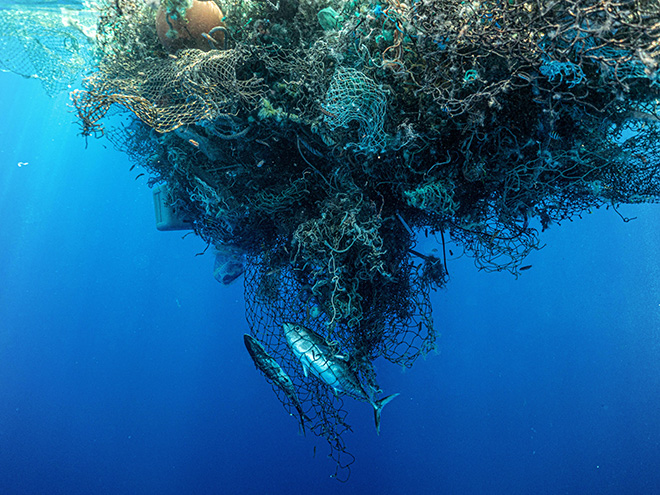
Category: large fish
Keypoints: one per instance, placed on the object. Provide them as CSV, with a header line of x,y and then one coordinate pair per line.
x,y
317,357
274,372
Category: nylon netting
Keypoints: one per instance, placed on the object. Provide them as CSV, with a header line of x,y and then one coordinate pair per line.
x,y
277,294
53,46
193,86
354,97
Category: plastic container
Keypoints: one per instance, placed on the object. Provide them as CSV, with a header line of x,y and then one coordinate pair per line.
x,y
166,217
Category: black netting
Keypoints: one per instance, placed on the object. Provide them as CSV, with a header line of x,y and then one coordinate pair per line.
x,y
277,294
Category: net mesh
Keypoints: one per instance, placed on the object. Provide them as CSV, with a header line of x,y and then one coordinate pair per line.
x,y
275,296
190,87
53,46
354,97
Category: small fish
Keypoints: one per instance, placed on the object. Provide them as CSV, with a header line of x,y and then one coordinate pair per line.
x,y
194,143
523,268
274,372
328,114
139,176
309,148
213,43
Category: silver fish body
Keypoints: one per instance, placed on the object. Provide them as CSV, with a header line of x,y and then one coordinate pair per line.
x,y
318,358
274,372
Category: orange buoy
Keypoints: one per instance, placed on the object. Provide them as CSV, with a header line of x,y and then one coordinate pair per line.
x,y
192,29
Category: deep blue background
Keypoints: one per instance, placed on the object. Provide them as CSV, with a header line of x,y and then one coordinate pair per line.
x,y
122,366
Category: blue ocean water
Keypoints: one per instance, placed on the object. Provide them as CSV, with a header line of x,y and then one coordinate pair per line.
x,y
123,371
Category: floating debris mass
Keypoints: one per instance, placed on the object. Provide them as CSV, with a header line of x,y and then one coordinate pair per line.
x,y
315,138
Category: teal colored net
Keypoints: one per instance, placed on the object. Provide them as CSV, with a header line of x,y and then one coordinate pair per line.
x,y
354,98
52,44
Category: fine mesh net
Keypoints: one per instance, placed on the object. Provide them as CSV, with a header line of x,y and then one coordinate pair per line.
x,y
190,87
353,97
275,296
321,141
49,44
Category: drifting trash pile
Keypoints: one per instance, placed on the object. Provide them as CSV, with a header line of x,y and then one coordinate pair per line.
x,y
312,142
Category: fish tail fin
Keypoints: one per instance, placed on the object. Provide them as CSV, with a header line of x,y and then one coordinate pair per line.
x,y
378,408
303,418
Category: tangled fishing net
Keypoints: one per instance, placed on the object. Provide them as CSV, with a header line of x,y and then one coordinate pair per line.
x,y
317,138
53,45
